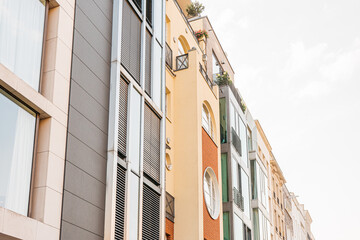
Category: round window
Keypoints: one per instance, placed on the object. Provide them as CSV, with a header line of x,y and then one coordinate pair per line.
x,y
211,193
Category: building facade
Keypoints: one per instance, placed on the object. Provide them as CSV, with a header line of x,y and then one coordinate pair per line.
x,y
193,187
35,64
297,218
84,85
235,166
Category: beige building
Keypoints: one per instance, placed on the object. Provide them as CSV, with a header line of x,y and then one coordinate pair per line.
x,y
35,62
297,218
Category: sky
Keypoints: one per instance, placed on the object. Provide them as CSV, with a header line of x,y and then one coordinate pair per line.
x,y
297,66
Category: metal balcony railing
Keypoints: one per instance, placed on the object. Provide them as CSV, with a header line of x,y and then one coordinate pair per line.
x,y
238,199
170,207
168,56
182,62
236,141
206,77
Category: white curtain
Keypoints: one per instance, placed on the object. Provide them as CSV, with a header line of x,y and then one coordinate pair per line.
x,y
17,196
21,37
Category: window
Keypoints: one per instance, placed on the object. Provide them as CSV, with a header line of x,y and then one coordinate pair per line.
x,y
156,74
216,67
134,206
17,128
168,104
211,193
239,229
223,120
226,225
149,6
148,61
245,192
224,176
21,38
151,214
134,131
181,49
206,121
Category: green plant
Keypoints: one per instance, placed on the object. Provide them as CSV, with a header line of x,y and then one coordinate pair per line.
x,y
223,79
243,105
201,33
194,9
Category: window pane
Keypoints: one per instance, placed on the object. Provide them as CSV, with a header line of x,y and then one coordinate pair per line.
x,y
158,19
223,120
21,38
17,128
135,116
134,206
245,192
226,224
224,176
156,79
243,138
238,228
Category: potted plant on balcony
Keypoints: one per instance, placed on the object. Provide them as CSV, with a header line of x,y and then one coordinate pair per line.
x,y
194,9
200,34
223,79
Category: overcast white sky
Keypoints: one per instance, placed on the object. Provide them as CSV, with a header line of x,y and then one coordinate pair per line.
x,y
297,65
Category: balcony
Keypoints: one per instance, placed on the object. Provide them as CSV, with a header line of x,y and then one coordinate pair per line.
x,y
182,62
168,56
170,207
206,77
238,199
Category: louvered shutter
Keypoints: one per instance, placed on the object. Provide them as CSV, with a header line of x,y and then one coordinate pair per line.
x,y
151,144
122,124
131,41
148,63
151,214
120,203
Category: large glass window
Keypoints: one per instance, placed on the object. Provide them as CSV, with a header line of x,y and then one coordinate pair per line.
x,y
17,128
226,225
224,176
21,38
245,192
158,21
223,120
135,116
243,138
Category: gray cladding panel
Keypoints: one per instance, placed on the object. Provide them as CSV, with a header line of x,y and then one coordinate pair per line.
x,y
84,184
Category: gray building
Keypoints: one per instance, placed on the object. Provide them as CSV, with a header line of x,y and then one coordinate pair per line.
x,y
235,165
114,168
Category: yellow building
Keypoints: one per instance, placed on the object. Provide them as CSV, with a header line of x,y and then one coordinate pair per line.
x,y
276,182
193,202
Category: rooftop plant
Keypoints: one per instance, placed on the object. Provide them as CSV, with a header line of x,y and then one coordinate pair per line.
x,y
194,9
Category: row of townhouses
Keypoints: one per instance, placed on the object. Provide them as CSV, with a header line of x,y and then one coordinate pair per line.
x,y
119,121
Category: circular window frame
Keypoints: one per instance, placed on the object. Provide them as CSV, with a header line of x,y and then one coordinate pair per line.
x,y
214,215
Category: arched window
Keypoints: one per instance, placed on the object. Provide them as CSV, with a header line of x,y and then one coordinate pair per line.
x,y
181,50
211,193
206,121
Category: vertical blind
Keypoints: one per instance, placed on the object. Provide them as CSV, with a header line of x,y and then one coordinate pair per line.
x,y
122,124
148,63
151,144
151,214
120,203
131,41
